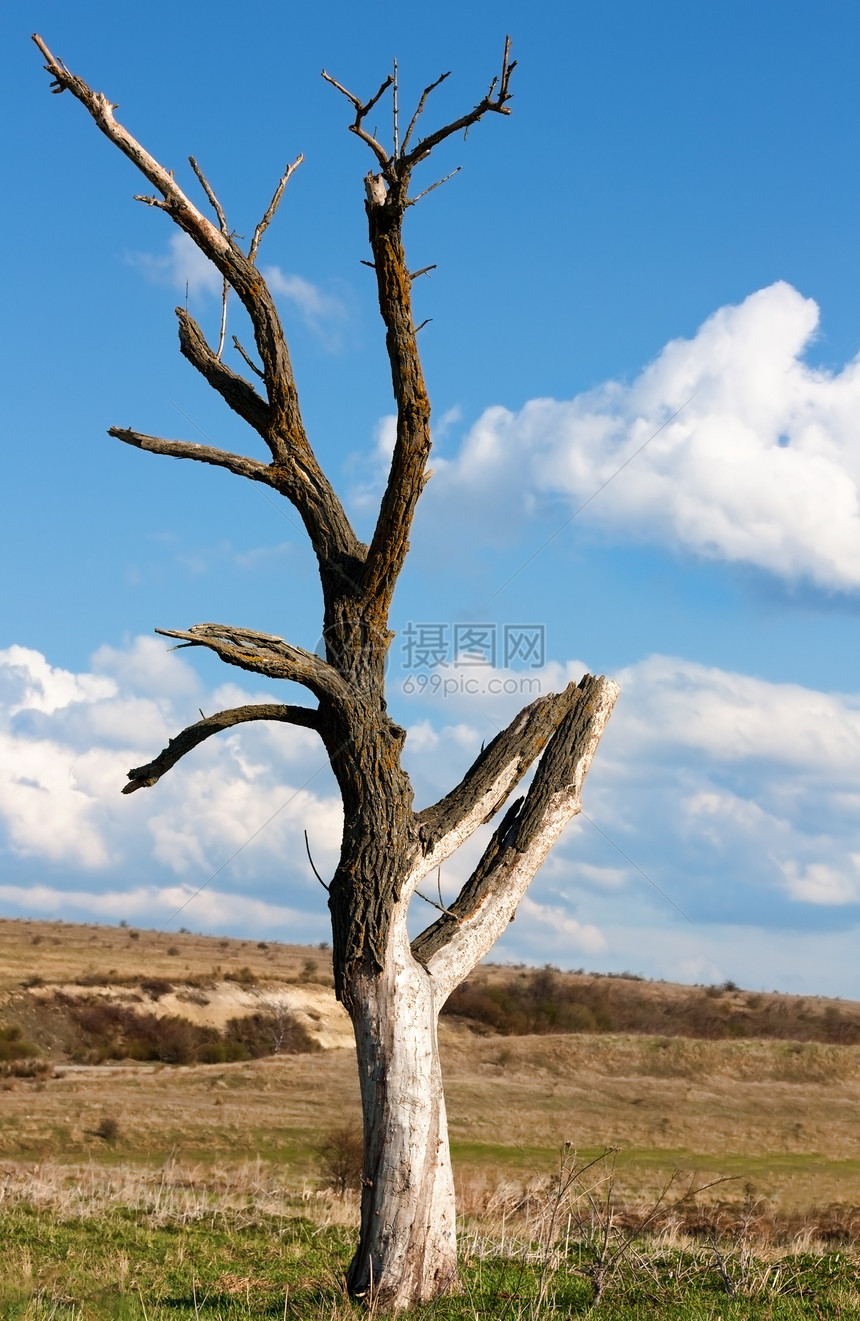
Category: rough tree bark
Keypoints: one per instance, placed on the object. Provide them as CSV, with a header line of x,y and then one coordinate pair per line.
x,y
392,988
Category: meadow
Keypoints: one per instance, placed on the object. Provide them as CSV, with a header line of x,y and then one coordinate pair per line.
x,y
657,1174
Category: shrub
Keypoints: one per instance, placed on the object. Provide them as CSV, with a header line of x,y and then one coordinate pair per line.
x,y
341,1159
244,976
111,1031
30,1069
273,1032
13,1045
547,1001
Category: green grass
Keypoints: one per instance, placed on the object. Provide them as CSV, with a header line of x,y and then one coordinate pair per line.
x,y
221,1266
741,1166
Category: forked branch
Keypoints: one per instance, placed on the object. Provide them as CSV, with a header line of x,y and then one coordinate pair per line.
x,y
452,946
362,110
387,200
495,101
494,775
143,777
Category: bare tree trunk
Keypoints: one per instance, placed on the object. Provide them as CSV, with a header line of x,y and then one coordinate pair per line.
x,y
393,991
407,1251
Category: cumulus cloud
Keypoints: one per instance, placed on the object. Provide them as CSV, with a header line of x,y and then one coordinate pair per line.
x,y
565,930
737,717
34,685
67,740
760,466
819,883
752,782
736,797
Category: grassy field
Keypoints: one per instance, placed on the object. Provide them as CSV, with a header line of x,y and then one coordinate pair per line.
x,y
145,1190
219,1242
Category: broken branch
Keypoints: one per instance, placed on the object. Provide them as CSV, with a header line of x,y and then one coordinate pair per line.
x,y
233,389
492,777
189,449
530,827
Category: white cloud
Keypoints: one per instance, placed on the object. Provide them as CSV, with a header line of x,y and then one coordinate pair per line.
x,y
374,466
567,932
147,665
67,740
42,687
606,878
819,883
46,812
738,717
746,787
210,910
737,797
183,264
321,312
760,466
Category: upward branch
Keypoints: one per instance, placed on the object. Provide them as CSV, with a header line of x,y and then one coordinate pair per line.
x,y
492,778
472,924
387,198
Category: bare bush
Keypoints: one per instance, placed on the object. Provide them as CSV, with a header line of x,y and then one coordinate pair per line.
x,y
107,1031
547,1001
340,1154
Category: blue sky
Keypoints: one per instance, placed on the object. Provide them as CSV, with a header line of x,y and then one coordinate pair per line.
x,y
665,225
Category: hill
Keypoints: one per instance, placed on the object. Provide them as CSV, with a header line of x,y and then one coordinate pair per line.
x,y
782,1115
90,993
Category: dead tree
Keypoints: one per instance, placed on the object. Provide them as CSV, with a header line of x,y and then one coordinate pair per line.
x,y
392,987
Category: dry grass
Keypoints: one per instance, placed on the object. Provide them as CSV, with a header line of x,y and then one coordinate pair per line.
x,y
744,1109
784,1117
174,1193
59,952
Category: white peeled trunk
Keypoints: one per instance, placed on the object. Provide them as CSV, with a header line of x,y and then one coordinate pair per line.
x,y
407,1252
